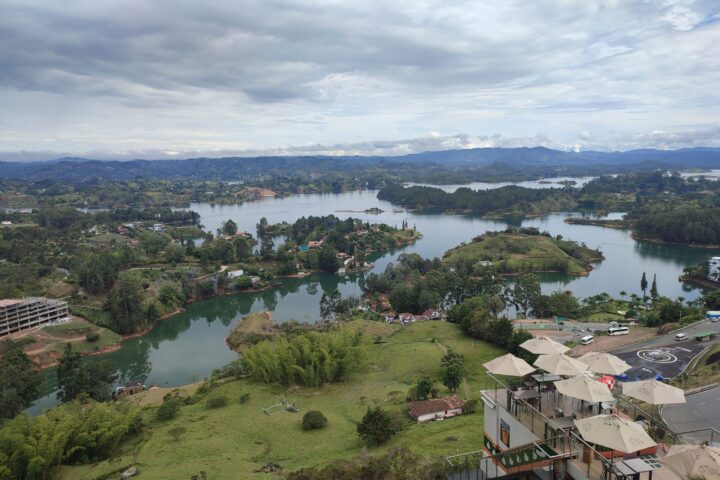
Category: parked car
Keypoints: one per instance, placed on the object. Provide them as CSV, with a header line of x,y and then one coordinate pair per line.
x,y
681,336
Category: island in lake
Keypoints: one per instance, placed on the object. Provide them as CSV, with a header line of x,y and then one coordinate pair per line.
x,y
524,250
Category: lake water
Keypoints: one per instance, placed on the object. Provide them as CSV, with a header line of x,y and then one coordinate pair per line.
x,y
189,346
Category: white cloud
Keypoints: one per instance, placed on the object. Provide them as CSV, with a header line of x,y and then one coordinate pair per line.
x,y
175,75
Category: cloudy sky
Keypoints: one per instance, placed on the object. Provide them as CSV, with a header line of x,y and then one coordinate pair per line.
x,y
159,78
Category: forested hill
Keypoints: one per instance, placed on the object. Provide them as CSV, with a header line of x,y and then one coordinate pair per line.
x,y
470,164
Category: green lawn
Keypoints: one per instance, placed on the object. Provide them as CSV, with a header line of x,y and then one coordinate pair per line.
x,y
74,330
231,442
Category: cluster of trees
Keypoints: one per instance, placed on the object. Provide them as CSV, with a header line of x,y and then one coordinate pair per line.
x,y
504,199
415,284
82,378
311,358
690,222
71,434
19,379
478,318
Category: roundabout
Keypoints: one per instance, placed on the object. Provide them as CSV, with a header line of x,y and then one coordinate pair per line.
x,y
657,355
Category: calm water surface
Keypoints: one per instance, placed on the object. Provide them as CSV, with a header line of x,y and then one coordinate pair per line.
x,y
189,346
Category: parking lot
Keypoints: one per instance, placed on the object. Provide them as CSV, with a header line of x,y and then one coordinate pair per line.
x,y
668,360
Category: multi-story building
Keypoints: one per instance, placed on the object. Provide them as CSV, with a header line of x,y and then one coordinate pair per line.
x,y
21,314
530,434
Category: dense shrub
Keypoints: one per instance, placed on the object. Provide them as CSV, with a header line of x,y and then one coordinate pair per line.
x,y
92,336
217,400
313,420
168,410
470,406
244,398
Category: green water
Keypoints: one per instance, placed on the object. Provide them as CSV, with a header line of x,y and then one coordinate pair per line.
x,y
189,346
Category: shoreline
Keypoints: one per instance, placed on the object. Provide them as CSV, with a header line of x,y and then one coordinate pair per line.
x,y
657,240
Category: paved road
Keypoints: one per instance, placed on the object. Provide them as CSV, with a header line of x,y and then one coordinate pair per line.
x,y
670,337
701,411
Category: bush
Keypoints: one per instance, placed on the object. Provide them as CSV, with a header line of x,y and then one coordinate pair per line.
x,y
92,336
244,398
217,401
168,410
470,407
313,420
378,426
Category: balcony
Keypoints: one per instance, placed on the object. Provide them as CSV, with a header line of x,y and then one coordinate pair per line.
x,y
535,423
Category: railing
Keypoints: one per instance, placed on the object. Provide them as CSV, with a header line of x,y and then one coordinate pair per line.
x,y
477,466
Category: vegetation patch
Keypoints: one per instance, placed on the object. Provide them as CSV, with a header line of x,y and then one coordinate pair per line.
x,y
524,251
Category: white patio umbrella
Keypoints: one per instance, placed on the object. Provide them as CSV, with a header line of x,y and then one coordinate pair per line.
x,y
606,363
614,432
543,346
654,392
584,388
560,364
509,365
688,460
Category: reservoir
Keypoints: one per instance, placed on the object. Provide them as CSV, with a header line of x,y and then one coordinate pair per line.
x,y
188,346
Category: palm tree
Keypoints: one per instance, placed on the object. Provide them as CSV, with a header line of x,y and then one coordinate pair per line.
x,y
622,295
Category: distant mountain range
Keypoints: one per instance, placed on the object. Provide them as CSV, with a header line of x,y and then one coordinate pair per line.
x,y
235,168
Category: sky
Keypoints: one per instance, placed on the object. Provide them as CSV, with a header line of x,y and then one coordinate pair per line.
x,y
177,78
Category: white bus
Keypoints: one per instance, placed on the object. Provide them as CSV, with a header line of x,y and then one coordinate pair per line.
x,y
587,340
618,331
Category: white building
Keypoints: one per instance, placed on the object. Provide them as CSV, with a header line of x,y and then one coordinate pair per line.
x,y
236,273
714,269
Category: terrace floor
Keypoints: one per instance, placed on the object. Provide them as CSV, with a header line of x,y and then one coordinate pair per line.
x,y
549,415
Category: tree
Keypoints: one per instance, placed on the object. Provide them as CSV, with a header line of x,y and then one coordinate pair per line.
x,y
19,380
126,309
377,426
654,289
328,261
230,228
453,365
267,247
643,283
76,377
174,253
423,388
526,291
313,420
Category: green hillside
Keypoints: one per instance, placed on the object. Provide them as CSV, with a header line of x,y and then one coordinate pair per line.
x,y
514,253
234,441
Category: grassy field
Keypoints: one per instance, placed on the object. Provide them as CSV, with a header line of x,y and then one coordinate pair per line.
x,y
232,442
514,253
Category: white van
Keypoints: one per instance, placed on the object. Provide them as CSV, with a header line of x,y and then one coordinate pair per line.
x,y
587,340
681,336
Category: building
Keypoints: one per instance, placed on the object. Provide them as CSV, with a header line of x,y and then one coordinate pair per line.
x,y
713,269
158,227
236,273
530,433
435,409
21,314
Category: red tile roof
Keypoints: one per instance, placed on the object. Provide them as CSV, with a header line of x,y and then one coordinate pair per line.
x,y
434,405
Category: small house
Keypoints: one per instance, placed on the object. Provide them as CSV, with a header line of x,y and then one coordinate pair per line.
x,y
406,318
158,227
315,243
6,222
236,273
435,409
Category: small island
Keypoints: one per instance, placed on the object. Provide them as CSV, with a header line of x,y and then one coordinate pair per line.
x,y
517,251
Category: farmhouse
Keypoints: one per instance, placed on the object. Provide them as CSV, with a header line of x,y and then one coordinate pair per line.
x,y
435,408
